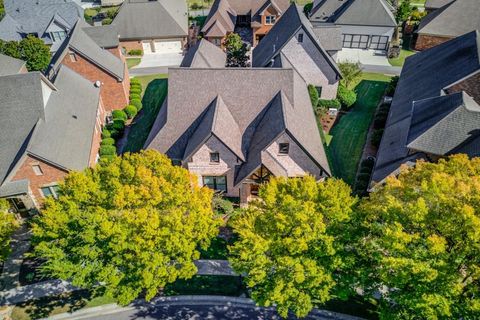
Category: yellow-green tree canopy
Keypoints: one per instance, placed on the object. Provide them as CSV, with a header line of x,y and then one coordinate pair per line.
x,y
132,224
418,239
287,246
8,224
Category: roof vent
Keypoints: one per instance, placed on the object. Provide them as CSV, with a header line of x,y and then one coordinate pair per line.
x,y
98,84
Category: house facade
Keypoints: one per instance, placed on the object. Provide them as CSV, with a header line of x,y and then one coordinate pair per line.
x,y
365,24
241,127
251,18
48,129
439,118
153,26
50,20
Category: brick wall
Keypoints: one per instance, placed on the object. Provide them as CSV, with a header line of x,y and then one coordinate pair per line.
x,y
114,93
426,41
97,134
51,175
470,85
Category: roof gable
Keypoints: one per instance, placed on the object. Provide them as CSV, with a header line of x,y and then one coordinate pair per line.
x,y
9,65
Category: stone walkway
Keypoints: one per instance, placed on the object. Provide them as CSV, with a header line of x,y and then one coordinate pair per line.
x,y
20,244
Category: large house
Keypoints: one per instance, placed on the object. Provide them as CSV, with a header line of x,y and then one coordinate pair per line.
x,y
365,24
454,19
159,26
46,130
204,54
238,126
254,17
49,20
292,43
435,110
106,68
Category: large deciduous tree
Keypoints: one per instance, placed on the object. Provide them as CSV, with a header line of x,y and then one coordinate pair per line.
x,y
30,49
418,242
287,247
8,224
237,52
132,224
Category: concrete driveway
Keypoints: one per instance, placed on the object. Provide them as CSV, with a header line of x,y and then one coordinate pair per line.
x,y
365,57
155,60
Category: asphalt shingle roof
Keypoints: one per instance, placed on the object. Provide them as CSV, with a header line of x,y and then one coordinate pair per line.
x,y
424,75
105,36
436,4
204,55
144,19
9,65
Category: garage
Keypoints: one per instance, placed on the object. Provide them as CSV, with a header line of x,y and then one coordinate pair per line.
x,y
168,47
147,47
363,41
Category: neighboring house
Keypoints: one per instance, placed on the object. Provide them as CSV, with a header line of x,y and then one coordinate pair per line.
x,y
292,43
452,20
204,55
435,110
432,5
46,130
159,26
365,24
49,20
9,65
236,127
104,67
256,16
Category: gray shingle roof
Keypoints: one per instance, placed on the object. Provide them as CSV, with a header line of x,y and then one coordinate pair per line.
x,y
353,12
64,136
105,36
79,42
9,29
14,188
424,76
329,36
436,4
204,55
286,28
143,19
9,65
452,20
34,16
246,94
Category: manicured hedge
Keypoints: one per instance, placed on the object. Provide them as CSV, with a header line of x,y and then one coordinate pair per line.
x,y
327,104
135,52
108,142
108,150
135,96
346,96
131,111
135,91
312,91
377,137
137,103
106,133
136,85
119,115
134,81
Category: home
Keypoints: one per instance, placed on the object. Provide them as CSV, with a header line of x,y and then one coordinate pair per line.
x,y
106,68
365,24
204,55
292,43
47,129
49,20
239,126
449,21
432,5
435,111
9,65
252,19
153,26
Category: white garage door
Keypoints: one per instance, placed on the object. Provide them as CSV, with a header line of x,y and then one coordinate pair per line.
x,y
147,48
168,46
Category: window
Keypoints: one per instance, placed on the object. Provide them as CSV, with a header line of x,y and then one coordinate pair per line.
x,y
50,191
283,148
38,171
73,57
270,19
300,37
216,183
215,157
58,35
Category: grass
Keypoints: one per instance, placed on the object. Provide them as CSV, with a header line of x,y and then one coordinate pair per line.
x,y
398,62
132,62
207,285
156,87
350,133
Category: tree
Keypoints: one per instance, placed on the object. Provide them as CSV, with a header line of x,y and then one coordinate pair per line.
x,y
287,246
132,224
35,53
351,72
237,52
8,224
403,11
417,241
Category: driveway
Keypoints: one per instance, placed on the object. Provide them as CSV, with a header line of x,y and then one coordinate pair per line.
x,y
155,60
365,57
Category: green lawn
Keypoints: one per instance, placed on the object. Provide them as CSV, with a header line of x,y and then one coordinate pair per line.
x,y
398,62
350,133
155,92
132,62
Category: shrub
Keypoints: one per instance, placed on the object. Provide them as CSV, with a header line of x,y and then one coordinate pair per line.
x,y
135,52
392,86
377,137
119,115
108,142
108,157
108,151
346,96
313,94
116,127
308,8
135,96
106,133
135,91
380,121
115,133
363,177
134,81
368,163
136,85
106,21
131,111
327,104
137,104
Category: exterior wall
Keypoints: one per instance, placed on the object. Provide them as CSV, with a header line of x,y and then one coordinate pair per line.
x,y
51,176
470,85
97,133
312,65
131,45
425,41
200,164
265,28
114,93
23,69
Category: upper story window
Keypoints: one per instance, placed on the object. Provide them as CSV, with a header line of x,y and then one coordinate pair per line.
x,y
58,35
37,170
270,19
50,191
215,157
300,37
283,148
